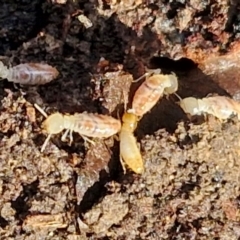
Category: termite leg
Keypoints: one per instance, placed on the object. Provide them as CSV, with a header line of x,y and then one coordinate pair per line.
x,y
68,131
46,142
40,110
15,86
123,164
86,139
21,91
64,136
116,137
71,137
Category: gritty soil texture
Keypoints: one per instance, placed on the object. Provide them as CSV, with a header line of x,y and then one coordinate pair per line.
x,y
190,185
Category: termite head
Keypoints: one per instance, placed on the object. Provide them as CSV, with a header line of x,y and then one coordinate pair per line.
x,y
54,124
190,106
173,82
130,120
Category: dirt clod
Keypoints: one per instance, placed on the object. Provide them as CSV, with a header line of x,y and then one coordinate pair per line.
x,y
190,185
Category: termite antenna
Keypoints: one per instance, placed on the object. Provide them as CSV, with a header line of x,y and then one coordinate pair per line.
x,y
180,99
40,110
140,78
148,73
170,97
46,142
153,71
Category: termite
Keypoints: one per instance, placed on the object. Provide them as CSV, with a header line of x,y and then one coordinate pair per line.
x,y
151,90
219,106
85,124
29,73
129,151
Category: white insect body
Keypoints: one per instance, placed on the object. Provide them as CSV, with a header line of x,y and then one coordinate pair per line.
x,y
151,90
219,106
86,124
129,151
29,73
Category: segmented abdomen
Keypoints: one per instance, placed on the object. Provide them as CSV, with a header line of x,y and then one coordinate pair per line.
x,y
130,152
222,107
32,74
146,96
95,125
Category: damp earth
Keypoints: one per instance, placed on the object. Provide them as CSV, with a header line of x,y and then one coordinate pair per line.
x,y
190,186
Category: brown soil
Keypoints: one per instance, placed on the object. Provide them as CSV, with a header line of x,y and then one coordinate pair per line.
x,y
190,186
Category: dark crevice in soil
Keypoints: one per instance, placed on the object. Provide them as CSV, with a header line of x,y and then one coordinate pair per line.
x,y
22,203
167,64
3,222
94,193
17,18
